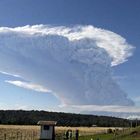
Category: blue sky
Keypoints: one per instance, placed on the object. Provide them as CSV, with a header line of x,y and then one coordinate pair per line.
x,y
121,17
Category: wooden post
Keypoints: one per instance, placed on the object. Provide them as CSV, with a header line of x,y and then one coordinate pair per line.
x,y
17,135
53,134
136,123
21,136
4,136
77,134
131,124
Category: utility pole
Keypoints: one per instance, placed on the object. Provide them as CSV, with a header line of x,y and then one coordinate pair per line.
x,y
136,123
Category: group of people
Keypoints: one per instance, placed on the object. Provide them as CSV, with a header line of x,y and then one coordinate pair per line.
x,y
69,134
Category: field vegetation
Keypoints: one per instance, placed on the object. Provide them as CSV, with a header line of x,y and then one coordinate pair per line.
x,y
125,134
22,132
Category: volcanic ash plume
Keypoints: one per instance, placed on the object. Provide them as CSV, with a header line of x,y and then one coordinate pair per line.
x,y
75,63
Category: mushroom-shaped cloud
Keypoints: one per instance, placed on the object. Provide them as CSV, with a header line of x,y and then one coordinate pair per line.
x,y
74,63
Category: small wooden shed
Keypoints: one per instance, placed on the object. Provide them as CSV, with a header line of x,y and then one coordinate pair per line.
x,y
47,131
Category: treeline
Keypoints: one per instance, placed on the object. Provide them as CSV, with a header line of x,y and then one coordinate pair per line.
x,y
22,117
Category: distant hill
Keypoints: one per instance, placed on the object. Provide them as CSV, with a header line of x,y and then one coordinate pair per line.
x,y
22,117
114,114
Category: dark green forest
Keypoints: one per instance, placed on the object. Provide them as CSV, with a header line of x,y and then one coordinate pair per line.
x,y
22,117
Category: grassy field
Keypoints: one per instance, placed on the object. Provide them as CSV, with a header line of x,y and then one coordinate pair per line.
x,y
127,134
16,132
19,132
84,130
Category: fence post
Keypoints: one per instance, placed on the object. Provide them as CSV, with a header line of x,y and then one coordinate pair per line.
x,y
4,136
17,135
77,134
21,136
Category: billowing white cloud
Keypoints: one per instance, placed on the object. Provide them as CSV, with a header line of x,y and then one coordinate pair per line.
x,y
74,63
134,117
115,45
28,85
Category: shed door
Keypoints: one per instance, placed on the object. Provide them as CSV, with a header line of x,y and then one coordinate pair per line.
x,y
47,132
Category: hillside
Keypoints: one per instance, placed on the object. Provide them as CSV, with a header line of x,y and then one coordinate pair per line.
x,y
22,117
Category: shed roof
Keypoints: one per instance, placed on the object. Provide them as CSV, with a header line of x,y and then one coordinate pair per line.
x,y
47,123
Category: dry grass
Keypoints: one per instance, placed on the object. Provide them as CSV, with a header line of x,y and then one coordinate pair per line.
x,y
85,130
20,127
16,132
22,132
